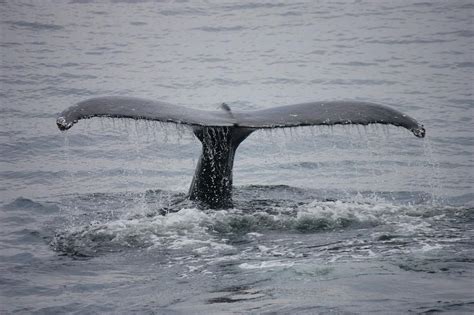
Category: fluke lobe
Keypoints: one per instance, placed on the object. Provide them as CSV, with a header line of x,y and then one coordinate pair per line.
x,y
221,131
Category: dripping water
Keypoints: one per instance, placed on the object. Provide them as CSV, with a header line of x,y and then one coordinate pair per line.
x,y
370,158
433,172
69,178
135,140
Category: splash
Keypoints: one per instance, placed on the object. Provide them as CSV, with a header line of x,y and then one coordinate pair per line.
x,y
201,232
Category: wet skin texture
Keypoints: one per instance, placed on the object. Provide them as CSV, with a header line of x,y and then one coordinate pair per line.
x,y
221,132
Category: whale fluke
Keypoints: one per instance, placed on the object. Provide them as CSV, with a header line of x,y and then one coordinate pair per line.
x,y
138,108
329,113
221,132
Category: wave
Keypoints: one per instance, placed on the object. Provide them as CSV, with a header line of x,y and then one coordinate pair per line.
x,y
187,229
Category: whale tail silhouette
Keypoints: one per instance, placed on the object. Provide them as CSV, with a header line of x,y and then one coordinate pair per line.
x,y
221,132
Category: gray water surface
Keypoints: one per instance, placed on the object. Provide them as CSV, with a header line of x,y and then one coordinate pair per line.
x,y
326,220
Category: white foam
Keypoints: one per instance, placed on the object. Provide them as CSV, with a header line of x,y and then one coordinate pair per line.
x,y
205,234
430,247
267,264
255,234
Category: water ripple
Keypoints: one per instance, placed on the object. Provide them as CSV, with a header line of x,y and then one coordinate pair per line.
x,y
32,26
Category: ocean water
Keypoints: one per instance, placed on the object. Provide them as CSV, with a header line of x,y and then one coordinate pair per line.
x,y
326,220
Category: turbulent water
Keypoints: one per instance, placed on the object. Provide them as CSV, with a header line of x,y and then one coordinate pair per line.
x,y
326,220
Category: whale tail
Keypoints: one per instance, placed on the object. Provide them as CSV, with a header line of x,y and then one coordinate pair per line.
x,y
221,132
212,182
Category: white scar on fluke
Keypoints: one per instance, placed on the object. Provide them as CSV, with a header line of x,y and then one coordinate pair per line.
x,y
221,132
